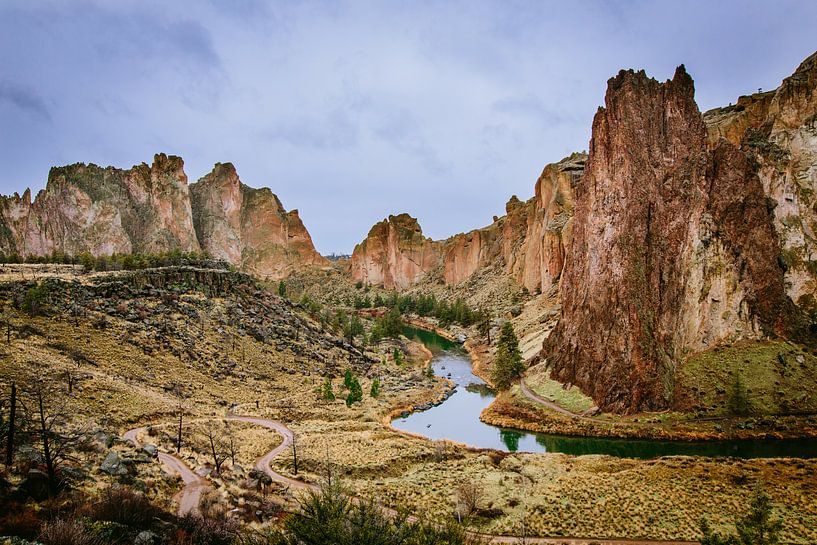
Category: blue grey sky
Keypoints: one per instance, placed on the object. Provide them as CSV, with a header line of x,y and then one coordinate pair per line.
x,y
350,111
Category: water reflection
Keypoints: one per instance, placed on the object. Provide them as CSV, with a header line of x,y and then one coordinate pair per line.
x,y
457,419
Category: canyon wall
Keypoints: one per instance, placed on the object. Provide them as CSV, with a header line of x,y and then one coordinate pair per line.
x,y
249,227
674,249
87,208
527,243
395,254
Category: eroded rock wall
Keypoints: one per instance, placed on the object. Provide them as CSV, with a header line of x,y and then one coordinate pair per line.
x,y
673,249
87,208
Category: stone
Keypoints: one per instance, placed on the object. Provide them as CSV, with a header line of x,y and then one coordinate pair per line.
x,y
36,485
145,538
113,465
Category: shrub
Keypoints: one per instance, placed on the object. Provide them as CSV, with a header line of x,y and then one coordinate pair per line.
x,y
67,532
329,516
125,506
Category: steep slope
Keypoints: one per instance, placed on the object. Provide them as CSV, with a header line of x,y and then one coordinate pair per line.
x,y
87,208
249,227
674,249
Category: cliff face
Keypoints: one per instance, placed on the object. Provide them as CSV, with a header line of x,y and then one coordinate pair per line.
x,y
102,210
527,243
86,208
673,249
778,130
394,254
249,227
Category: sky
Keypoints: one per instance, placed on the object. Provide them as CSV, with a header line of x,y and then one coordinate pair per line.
x,y
350,111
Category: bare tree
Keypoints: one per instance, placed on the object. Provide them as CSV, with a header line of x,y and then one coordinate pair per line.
x,y
218,450
178,392
294,455
53,437
470,494
232,446
11,425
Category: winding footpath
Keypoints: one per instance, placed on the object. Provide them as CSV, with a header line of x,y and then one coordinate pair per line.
x,y
194,486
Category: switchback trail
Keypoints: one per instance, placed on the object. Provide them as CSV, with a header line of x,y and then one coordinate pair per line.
x,y
190,496
194,485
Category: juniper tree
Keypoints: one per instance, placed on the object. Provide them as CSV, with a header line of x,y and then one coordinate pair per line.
x,y
508,363
327,393
375,390
738,397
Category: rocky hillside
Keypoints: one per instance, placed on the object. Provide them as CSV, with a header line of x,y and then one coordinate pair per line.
x,y
87,208
678,243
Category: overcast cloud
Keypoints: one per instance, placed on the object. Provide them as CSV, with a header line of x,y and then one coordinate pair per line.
x,y
350,111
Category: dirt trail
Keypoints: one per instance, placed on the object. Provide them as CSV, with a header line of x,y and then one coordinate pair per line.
x,y
190,496
191,493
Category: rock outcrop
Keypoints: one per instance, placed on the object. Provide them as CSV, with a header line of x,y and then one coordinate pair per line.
x,y
249,227
778,130
395,254
674,249
527,243
87,208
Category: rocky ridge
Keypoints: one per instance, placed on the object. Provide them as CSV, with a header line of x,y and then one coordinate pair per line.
x,y
87,208
527,243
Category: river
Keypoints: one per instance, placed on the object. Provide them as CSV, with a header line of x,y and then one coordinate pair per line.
x,y
457,419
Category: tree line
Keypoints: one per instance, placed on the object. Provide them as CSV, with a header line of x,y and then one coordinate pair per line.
x,y
117,261
426,305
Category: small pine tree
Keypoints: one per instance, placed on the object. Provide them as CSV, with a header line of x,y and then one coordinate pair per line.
x,y
282,288
484,325
355,392
375,391
398,356
739,397
347,379
327,393
508,364
756,528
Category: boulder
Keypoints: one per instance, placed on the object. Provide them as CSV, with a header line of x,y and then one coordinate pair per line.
x,y
113,465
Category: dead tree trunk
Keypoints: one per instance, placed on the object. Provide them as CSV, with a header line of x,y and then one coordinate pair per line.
x,y
12,423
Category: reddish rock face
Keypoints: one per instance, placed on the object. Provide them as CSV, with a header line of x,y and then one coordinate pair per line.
x,y
528,242
86,208
249,227
673,249
395,254
778,130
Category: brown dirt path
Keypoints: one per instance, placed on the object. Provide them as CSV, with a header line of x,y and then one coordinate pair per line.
x,y
194,486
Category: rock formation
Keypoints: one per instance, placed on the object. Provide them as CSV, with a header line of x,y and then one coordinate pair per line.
x,y
527,243
778,130
249,227
102,211
87,208
674,249
395,254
